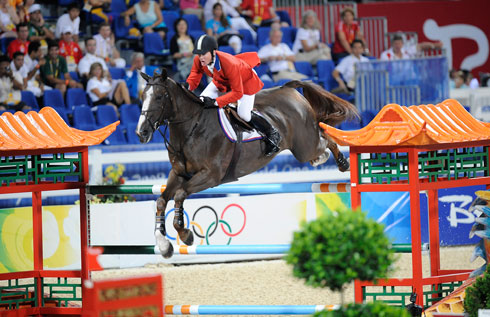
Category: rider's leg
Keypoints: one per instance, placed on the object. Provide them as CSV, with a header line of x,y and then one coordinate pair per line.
x,y
272,137
210,91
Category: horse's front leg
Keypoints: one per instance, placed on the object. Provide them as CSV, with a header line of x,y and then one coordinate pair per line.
x,y
341,161
173,183
200,181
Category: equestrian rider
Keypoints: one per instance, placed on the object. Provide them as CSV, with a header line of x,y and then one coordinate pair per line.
x,y
234,76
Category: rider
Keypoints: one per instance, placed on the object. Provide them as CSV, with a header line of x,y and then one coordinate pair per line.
x,y
234,76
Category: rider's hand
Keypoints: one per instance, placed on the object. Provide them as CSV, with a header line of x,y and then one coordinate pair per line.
x,y
185,85
209,102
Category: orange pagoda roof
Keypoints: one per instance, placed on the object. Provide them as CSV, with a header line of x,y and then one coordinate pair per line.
x,y
45,130
447,122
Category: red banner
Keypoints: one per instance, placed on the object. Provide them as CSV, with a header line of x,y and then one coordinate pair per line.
x,y
462,25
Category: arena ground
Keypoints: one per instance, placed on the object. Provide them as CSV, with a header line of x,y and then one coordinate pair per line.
x,y
264,282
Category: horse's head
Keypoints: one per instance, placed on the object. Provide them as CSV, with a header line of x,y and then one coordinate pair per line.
x,y
157,105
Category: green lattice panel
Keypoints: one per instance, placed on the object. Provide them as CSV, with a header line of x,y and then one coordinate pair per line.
x,y
55,168
61,291
450,164
391,294
18,293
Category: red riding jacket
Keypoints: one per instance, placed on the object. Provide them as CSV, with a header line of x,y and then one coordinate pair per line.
x,y
231,74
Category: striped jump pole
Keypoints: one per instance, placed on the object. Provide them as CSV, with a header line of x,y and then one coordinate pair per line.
x,y
246,309
226,189
224,249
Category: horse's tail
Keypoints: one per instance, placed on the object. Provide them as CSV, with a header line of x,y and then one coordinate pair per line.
x,y
329,108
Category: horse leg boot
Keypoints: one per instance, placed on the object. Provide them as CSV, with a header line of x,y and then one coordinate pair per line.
x,y
271,135
184,234
165,247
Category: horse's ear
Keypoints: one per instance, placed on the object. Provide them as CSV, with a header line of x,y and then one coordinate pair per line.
x,y
162,71
145,76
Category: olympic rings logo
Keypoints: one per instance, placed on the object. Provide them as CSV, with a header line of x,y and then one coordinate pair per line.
x,y
213,226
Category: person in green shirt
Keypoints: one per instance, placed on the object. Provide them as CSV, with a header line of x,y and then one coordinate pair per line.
x,y
54,72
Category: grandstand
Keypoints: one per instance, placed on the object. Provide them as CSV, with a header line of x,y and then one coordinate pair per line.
x,y
407,82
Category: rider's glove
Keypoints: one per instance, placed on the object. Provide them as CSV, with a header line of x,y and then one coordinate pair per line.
x,y
209,102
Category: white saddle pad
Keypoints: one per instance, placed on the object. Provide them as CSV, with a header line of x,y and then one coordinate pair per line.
x,y
225,124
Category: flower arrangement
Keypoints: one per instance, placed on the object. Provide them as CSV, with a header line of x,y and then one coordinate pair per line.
x,y
113,175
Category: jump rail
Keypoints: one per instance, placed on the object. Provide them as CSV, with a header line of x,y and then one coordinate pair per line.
x,y
246,309
226,189
224,249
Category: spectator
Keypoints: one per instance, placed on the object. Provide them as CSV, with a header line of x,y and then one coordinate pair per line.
x,y
469,80
10,97
97,8
105,47
346,31
20,44
71,18
23,11
33,61
237,21
458,82
192,7
70,49
18,69
89,59
220,28
307,45
181,46
38,30
346,68
260,12
54,72
279,57
8,19
148,16
104,91
397,51
136,83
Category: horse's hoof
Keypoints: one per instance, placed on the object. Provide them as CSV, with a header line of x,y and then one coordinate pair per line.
x,y
342,163
321,159
187,237
166,248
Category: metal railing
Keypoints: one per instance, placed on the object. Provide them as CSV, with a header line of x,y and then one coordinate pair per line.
x,y
374,30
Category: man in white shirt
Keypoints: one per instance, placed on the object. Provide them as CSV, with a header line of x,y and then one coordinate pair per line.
x,y
396,52
105,47
33,61
18,69
72,18
279,57
347,67
136,83
89,59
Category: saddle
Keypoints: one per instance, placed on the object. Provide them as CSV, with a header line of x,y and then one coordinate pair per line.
x,y
236,121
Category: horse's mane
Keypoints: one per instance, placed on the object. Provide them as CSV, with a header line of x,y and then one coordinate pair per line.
x,y
187,92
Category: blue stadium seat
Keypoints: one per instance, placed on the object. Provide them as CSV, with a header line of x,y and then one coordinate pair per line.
x,y
366,117
249,48
105,115
4,43
325,78
129,114
247,37
263,36
304,68
153,45
284,16
268,84
53,98
131,133
281,82
74,76
30,100
192,21
118,6
117,72
63,115
121,31
157,137
169,18
76,97
196,33
350,125
83,119
288,35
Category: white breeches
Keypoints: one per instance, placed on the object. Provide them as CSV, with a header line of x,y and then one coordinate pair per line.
x,y
245,104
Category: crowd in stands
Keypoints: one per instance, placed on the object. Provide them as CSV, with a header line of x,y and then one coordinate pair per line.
x,y
39,55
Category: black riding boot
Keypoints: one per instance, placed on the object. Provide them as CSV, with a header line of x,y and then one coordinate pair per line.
x,y
271,135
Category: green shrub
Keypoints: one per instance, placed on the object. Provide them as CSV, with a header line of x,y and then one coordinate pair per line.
x,y
478,295
376,309
338,248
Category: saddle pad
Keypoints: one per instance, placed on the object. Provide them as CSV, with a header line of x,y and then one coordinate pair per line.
x,y
227,128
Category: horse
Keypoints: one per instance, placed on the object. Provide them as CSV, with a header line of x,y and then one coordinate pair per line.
x,y
201,154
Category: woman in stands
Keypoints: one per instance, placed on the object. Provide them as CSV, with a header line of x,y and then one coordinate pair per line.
x,y
220,28
8,19
346,31
148,16
307,45
181,46
104,91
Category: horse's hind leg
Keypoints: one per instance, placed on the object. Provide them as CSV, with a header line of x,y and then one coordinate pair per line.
x,y
341,161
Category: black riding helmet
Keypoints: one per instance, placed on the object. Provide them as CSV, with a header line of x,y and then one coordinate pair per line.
x,y
204,44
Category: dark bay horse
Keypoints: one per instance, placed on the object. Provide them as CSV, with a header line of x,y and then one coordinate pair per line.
x,y
200,153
